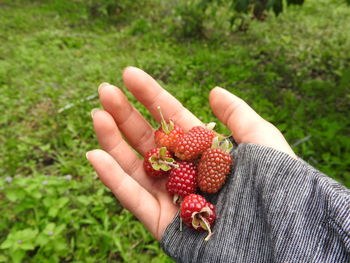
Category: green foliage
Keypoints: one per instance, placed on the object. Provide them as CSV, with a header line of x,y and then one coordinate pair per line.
x,y
293,69
258,7
193,16
62,218
190,16
111,10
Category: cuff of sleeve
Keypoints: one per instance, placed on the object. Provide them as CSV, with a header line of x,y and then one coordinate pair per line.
x,y
262,177
185,245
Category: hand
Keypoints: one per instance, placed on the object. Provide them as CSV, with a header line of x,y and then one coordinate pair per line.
x,y
120,168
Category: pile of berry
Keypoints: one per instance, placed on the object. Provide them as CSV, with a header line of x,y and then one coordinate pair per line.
x,y
198,159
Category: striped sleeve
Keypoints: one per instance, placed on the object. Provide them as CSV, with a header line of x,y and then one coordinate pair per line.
x,y
273,208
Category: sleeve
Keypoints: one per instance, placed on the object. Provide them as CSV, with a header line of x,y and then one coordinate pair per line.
x,y
273,208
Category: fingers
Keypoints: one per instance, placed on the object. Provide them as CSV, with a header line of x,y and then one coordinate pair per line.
x,y
130,194
245,124
151,94
133,126
111,141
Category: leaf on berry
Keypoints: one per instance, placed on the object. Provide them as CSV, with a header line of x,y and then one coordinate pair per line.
x,y
162,152
169,160
206,210
196,223
153,159
164,167
166,127
205,225
220,142
197,217
161,161
227,145
210,125
155,165
199,220
216,142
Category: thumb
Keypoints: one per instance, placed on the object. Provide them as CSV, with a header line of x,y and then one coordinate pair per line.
x,y
244,123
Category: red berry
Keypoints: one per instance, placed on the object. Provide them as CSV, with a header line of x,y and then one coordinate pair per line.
x,y
194,143
213,168
168,139
158,162
167,134
197,213
183,179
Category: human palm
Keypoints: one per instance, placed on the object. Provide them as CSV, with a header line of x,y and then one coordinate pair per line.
x,y
121,130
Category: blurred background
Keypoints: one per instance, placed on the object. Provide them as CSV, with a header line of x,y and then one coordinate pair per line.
x,y
288,59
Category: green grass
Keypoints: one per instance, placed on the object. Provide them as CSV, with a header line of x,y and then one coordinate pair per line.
x,y
293,69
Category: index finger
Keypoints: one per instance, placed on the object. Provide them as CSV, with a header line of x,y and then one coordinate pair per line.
x,y
146,90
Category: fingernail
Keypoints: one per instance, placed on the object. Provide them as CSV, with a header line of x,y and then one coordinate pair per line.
x,y
103,84
87,155
93,111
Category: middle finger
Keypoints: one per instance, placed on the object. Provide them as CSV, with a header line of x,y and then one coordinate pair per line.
x,y
137,131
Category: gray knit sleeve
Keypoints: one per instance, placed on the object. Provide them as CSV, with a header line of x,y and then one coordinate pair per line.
x,y
273,208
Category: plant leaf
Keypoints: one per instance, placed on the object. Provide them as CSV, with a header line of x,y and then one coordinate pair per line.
x,y
241,5
277,6
156,166
164,167
162,152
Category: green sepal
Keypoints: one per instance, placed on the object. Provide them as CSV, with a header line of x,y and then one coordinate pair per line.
x,y
171,126
221,142
206,210
204,224
227,145
153,159
195,221
161,162
156,166
162,152
216,142
197,218
168,159
165,167
166,127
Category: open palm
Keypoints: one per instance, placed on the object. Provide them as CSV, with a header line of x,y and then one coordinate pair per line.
x,y
121,130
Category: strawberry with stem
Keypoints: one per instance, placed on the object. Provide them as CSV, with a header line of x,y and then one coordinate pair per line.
x,y
214,165
167,134
198,214
158,162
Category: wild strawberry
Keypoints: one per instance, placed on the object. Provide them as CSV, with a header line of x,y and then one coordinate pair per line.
x,y
157,162
214,166
193,143
167,134
197,213
182,180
